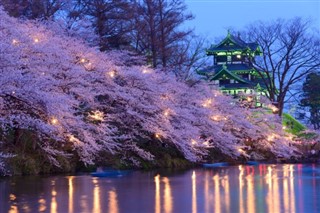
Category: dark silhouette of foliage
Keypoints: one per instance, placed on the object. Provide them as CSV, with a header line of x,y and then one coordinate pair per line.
x,y
311,98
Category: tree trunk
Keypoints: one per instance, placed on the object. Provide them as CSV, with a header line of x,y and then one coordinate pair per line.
x,y
152,32
280,105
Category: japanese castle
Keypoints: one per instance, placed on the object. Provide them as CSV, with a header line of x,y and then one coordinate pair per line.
x,y
233,67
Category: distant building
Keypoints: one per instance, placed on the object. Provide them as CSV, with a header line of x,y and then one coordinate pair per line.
x,y
233,67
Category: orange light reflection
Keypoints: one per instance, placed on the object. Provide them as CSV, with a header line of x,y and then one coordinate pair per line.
x,y
207,192
54,205
250,194
70,191
113,201
167,195
42,205
292,193
285,188
276,193
217,203
241,186
194,193
96,196
157,197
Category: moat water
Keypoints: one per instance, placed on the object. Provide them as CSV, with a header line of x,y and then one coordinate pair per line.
x,y
245,189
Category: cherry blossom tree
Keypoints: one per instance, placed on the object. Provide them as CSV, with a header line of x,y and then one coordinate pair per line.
x,y
76,100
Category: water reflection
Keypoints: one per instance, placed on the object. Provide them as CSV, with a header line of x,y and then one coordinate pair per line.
x,y
13,209
207,197
250,193
113,202
70,192
217,201
96,196
276,194
225,184
42,205
53,204
194,193
157,194
241,184
292,193
167,196
244,189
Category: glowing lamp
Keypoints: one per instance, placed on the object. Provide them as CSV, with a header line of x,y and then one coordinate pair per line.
x,y
72,138
273,108
207,103
97,115
215,118
54,121
166,113
112,74
146,71
270,138
206,143
193,142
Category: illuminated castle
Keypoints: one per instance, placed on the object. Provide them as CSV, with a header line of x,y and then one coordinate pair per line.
x,y
233,67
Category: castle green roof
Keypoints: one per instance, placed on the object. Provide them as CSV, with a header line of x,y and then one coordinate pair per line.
x,y
233,43
231,67
224,72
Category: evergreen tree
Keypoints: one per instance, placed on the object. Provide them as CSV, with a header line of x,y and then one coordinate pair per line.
x,y
311,98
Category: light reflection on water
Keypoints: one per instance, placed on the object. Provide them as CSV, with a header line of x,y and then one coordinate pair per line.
x,y
194,192
244,189
167,197
157,194
113,202
70,193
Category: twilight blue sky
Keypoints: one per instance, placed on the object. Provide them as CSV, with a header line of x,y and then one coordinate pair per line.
x,y
214,17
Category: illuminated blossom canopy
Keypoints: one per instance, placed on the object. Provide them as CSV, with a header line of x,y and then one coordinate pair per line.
x,y
71,95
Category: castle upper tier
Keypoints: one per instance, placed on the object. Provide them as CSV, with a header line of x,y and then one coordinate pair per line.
x,y
233,67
